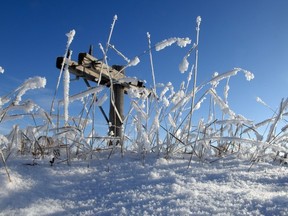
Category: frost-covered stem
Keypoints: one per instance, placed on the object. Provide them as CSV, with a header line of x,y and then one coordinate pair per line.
x,y
154,86
226,89
58,117
112,98
66,83
110,34
70,36
107,47
93,122
283,106
198,21
67,151
151,61
189,79
119,53
5,165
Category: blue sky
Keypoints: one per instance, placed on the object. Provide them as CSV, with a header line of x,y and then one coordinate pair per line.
x,y
251,34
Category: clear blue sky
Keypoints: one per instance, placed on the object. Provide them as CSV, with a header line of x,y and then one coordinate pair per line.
x,y
251,34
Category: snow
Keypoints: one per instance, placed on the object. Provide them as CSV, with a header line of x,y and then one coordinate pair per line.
x,y
127,186
153,174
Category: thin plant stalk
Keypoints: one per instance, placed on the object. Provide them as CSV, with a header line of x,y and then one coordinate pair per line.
x,y
154,86
5,165
107,47
198,21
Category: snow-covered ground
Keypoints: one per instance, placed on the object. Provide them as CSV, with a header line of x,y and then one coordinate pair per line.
x,y
127,186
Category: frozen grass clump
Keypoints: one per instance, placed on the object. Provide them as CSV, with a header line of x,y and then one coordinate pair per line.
x,y
160,120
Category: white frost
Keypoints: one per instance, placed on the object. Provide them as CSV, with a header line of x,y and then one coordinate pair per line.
x,y
31,83
184,65
217,78
1,70
70,36
163,44
259,100
135,92
66,82
198,105
165,101
84,94
223,106
182,42
129,80
198,20
249,76
4,100
134,62
171,121
226,90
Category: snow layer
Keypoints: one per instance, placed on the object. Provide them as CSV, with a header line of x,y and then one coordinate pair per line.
x,y
124,186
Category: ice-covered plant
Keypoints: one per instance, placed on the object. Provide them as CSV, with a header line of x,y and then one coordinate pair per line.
x,y
70,35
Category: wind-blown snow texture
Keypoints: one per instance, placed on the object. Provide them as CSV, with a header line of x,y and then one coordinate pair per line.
x,y
124,186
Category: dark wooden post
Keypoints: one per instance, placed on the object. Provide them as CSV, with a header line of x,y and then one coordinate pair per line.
x,y
116,124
